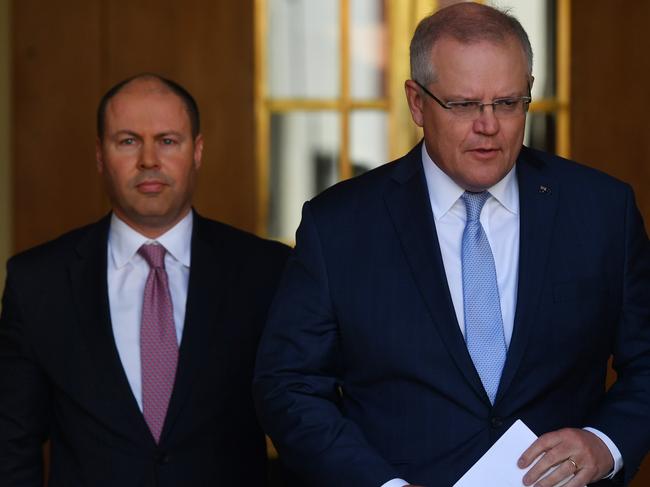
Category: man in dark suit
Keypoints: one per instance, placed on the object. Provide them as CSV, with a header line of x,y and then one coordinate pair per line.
x,y
432,302
130,343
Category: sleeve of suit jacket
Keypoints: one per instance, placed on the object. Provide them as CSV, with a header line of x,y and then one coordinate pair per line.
x,y
297,383
625,412
23,397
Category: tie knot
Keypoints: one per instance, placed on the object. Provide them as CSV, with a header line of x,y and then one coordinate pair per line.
x,y
474,204
154,254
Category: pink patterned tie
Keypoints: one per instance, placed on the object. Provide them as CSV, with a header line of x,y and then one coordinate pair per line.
x,y
158,344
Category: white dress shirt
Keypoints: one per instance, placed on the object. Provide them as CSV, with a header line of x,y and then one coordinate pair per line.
x,y
500,220
127,273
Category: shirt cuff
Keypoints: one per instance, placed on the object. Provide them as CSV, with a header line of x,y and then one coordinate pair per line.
x,y
615,452
395,483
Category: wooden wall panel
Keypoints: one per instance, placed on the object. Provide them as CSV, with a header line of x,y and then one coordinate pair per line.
x,y
55,83
609,90
610,127
207,46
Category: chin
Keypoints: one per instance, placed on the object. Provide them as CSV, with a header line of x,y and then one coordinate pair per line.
x,y
478,185
486,181
152,208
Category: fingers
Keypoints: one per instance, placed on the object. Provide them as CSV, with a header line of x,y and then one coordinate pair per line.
x,y
541,445
550,447
550,460
563,471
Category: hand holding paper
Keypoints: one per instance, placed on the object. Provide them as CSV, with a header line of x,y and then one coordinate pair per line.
x,y
498,467
573,452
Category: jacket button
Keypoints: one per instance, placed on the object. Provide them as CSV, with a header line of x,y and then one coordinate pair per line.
x,y
496,422
163,458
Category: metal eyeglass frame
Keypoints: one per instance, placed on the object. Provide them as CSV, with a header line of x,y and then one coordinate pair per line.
x,y
480,106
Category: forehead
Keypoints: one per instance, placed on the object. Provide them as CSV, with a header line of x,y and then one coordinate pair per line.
x,y
483,64
146,105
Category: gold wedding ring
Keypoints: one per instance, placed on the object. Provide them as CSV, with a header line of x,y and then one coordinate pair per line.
x,y
575,465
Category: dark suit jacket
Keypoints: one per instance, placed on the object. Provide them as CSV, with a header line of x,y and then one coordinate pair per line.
x,y
363,374
61,376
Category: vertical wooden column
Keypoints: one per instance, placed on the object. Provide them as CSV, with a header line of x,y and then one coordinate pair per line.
x,y
610,99
66,54
5,153
55,86
56,68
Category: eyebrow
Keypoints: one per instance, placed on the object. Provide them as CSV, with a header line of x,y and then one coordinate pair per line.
x,y
125,132
159,135
170,132
513,94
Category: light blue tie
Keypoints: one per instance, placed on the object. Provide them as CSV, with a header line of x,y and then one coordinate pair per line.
x,y
483,322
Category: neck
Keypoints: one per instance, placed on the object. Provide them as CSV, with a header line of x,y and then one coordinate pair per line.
x,y
151,228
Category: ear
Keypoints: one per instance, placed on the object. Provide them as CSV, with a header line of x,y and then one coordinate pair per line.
x,y
415,101
198,151
99,156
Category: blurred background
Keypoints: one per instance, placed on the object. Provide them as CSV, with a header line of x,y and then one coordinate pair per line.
x,y
295,95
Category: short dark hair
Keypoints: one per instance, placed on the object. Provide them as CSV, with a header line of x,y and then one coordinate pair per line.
x,y
188,100
465,22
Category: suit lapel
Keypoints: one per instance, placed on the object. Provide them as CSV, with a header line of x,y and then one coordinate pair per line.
x,y
538,200
110,394
206,288
410,209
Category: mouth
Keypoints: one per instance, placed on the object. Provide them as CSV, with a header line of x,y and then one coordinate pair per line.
x,y
149,187
484,152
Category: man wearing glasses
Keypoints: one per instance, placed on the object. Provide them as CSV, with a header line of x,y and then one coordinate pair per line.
x,y
432,302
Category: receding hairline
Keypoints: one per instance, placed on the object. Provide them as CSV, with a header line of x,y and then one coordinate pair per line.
x,y
156,84
504,40
144,86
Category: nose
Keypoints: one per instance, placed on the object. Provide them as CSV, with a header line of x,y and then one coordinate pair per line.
x,y
148,156
486,123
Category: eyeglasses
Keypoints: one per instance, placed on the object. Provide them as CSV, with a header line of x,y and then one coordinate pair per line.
x,y
472,109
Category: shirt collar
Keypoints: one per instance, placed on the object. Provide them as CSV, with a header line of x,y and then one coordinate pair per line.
x,y
124,241
444,192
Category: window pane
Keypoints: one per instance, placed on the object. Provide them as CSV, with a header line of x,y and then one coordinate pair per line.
x,y
304,161
538,18
540,131
368,139
303,48
368,49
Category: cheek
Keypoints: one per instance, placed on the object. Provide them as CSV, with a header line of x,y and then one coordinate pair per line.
x,y
448,136
455,140
182,172
118,176
515,135
455,133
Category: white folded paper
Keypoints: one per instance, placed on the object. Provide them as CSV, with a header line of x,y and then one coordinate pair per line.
x,y
498,467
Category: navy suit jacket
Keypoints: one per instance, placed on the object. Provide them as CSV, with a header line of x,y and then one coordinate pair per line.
x,y
363,374
61,377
